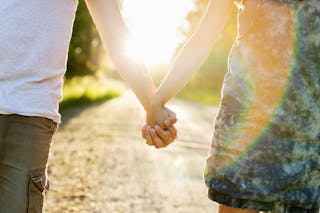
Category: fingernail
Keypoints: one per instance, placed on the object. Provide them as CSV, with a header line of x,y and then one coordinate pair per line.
x,y
153,132
157,127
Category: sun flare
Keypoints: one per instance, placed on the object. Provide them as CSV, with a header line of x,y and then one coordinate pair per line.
x,y
155,27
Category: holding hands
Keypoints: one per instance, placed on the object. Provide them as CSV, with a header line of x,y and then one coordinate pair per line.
x,y
159,130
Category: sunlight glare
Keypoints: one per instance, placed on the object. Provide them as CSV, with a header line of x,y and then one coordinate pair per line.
x,y
154,26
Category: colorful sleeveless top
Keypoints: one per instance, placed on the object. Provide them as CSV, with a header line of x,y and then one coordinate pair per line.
x,y
266,144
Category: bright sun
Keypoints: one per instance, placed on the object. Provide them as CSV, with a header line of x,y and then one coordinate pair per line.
x,y
155,25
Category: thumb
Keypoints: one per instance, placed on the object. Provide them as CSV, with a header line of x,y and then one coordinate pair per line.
x,y
172,119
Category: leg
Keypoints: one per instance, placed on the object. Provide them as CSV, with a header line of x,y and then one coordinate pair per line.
x,y
24,148
226,209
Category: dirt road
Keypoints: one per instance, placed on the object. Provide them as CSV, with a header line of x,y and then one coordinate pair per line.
x,y
100,164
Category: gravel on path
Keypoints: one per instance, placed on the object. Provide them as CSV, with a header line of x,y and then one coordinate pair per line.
x,y
100,164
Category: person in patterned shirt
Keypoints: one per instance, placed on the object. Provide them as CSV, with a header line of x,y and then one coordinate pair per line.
x,y
265,151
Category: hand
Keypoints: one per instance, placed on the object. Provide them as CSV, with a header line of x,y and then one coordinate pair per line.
x,y
158,115
163,132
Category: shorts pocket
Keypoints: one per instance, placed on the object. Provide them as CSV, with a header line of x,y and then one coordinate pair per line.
x,y
38,186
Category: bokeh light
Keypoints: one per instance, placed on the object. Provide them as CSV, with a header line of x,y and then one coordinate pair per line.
x,y
156,28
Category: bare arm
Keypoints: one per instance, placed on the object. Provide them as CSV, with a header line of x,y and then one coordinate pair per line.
x,y
187,62
114,34
195,50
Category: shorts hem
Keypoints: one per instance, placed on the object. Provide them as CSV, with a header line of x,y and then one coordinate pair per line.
x,y
228,200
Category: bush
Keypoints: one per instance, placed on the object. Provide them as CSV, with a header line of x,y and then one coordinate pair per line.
x,y
90,89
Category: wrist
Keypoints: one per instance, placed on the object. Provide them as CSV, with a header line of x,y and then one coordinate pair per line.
x,y
156,101
149,96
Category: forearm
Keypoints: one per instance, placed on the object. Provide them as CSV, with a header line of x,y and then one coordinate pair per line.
x,y
137,77
186,64
114,35
195,50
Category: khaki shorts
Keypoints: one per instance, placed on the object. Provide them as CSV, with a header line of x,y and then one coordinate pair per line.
x,y
24,149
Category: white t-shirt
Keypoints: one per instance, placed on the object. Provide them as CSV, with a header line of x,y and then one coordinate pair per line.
x,y
34,41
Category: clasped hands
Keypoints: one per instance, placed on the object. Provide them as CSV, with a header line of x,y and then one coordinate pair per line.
x,y
159,130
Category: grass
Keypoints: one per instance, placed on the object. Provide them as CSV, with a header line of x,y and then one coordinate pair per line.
x,y
87,90
200,96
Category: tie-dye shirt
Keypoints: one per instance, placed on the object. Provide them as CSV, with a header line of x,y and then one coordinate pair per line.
x,y
266,145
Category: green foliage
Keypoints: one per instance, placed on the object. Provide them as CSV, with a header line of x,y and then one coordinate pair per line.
x,y
89,89
85,51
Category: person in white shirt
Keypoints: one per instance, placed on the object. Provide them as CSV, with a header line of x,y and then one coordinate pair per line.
x,y
34,40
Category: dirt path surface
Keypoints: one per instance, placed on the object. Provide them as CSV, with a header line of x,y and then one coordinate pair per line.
x,y
100,164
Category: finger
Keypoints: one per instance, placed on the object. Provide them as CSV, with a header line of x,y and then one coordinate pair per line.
x,y
170,121
149,140
156,140
173,119
173,116
173,132
144,131
167,122
164,135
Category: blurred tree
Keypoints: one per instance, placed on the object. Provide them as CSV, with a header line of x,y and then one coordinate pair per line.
x,y
85,51
195,15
